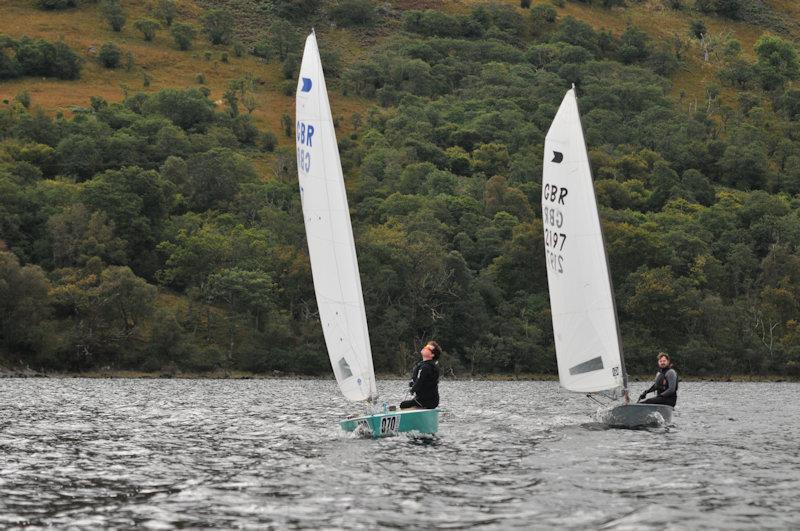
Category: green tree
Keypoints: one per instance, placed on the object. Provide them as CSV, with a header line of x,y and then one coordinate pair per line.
x,y
55,4
218,26
353,13
148,27
183,35
78,236
24,306
165,11
114,14
110,55
215,177
777,61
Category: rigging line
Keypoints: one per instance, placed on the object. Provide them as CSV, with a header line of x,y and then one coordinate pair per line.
x,y
589,396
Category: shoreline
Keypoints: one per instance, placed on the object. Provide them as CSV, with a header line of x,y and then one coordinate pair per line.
x,y
279,375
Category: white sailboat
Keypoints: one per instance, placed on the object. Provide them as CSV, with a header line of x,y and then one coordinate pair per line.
x,y
585,326
332,253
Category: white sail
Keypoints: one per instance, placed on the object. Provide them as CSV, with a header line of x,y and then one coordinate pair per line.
x,y
581,299
330,236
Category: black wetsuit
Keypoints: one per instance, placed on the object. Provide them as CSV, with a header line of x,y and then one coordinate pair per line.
x,y
424,385
666,388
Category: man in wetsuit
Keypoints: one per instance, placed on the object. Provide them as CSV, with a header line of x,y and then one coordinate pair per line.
x,y
666,384
424,382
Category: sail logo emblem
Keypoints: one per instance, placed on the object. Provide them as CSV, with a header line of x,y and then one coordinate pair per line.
x,y
306,85
557,157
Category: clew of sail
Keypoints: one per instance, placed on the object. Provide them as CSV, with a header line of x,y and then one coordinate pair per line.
x,y
331,247
588,346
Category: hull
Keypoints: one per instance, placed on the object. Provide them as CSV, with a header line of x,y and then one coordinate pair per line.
x,y
393,422
640,416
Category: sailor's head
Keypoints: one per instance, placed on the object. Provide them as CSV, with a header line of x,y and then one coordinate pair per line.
x,y
663,360
431,351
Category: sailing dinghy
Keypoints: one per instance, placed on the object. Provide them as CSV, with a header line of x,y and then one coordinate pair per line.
x,y
585,326
334,265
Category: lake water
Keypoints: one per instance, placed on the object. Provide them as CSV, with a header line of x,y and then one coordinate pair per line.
x,y
269,453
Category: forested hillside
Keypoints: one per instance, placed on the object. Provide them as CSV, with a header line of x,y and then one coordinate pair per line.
x,y
154,224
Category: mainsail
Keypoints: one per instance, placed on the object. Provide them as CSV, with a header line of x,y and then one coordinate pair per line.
x,y
588,345
331,247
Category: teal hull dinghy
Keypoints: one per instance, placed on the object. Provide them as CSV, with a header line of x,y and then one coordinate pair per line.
x,y
332,254
394,422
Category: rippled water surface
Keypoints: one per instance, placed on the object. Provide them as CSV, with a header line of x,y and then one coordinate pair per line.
x,y
269,453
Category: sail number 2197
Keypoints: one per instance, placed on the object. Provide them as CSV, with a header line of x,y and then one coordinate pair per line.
x,y
554,238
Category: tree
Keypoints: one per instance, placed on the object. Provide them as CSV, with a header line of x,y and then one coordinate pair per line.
x,y
183,35
241,291
148,27
106,308
24,305
218,26
188,109
214,177
697,28
294,9
777,61
55,4
165,11
115,15
633,45
110,55
78,236
353,13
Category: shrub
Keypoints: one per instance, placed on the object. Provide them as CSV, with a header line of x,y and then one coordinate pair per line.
x,y
110,55
697,28
353,13
148,27
544,14
24,99
287,123
55,4
165,11
114,14
183,35
41,58
218,26
269,141
294,9
524,4
238,48
263,49
9,66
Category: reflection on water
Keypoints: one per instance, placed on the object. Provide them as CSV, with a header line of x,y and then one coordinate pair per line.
x,y
164,453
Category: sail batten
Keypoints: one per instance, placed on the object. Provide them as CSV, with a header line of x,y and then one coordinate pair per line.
x,y
329,234
585,327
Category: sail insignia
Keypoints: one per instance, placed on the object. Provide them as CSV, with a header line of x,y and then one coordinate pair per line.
x,y
594,364
344,369
557,157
